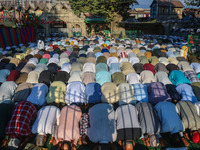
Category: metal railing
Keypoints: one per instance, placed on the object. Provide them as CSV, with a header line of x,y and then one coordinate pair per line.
x,y
123,34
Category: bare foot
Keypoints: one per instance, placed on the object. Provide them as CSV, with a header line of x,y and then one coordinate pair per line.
x,y
80,141
59,145
128,146
186,136
144,141
120,142
133,143
148,143
52,139
4,142
73,147
185,142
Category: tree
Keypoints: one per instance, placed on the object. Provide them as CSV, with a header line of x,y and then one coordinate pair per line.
x,y
193,2
104,8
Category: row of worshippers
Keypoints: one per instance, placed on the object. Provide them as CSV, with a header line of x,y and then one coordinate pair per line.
x,y
104,124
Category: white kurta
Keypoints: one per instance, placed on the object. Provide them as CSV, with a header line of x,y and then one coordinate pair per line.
x,y
47,120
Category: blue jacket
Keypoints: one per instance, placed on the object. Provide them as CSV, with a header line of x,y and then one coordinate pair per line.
x,y
170,121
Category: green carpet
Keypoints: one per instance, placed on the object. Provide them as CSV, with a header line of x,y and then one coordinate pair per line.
x,y
138,146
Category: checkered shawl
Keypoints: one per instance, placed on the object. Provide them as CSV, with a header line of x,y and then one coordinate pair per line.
x,y
19,125
192,76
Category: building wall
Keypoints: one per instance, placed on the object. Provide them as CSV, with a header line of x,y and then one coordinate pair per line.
x,y
197,14
56,10
164,13
154,10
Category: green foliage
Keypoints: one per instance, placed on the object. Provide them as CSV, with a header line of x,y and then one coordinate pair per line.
x,y
104,8
193,2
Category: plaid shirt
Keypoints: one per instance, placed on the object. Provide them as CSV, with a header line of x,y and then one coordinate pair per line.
x,y
19,124
192,76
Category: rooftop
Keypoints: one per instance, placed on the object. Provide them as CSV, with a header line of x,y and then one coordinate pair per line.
x,y
166,3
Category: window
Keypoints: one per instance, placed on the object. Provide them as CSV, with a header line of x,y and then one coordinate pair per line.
x,y
166,11
163,10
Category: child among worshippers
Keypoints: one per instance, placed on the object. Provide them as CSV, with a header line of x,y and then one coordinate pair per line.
x,y
190,119
150,124
68,128
93,96
171,123
102,130
19,126
128,127
46,122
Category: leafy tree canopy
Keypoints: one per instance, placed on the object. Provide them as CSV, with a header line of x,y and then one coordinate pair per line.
x,y
106,8
193,2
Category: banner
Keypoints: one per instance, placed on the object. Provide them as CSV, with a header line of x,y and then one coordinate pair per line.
x,y
16,36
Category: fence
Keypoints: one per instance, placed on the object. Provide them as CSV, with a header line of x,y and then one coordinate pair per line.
x,y
123,34
16,36
196,39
